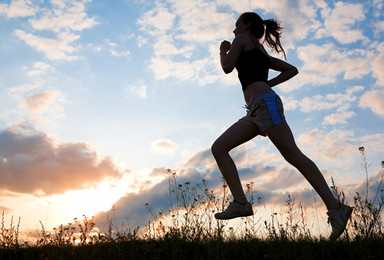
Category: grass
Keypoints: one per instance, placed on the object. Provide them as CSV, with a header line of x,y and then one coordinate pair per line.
x,y
190,231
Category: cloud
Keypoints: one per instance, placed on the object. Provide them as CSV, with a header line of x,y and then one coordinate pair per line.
x,y
181,28
41,101
139,90
379,28
338,118
62,18
331,147
340,21
163,146
378,64
377,6
271,183
141,41
36,164
373,142
323,64
120,53
157,21
55,49
39,104
20,90
18,8
112,46
39,68
328,101
373,100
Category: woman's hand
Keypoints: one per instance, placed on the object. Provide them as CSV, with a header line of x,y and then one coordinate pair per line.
x,y
224,47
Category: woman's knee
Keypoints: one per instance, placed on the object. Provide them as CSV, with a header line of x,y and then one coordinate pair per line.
x,y
294,157
215,148
218,148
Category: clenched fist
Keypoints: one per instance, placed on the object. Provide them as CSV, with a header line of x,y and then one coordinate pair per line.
x,y
225,46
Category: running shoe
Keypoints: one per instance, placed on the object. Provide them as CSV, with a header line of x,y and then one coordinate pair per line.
x,y
235,210
338,218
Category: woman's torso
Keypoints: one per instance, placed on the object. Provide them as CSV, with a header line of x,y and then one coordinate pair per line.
x,y
253,65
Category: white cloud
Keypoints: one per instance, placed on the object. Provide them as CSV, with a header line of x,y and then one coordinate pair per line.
x,y
377,6
120,53
373,100
379,28
329,101
339,22
20,90
164,146
331,147
323,64
39,68
61,18
338,118
180,29
64,15
55,49
157,21
373,143
140,89
18,8
141,41
378,64
201,21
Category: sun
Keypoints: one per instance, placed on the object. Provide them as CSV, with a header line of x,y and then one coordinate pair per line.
x,y
62,209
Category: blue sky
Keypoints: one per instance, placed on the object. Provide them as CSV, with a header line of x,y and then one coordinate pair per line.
x,y
99,98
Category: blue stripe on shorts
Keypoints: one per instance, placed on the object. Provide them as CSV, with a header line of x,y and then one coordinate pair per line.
x,y
273,109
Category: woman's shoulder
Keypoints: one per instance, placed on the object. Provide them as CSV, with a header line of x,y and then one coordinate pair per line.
x,y
244,41
242,38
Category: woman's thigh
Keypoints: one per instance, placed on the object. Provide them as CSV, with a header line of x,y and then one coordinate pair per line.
x,y
281,136
239,133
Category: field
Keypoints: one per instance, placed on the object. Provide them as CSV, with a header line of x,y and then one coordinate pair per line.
x,y
190,231
173,248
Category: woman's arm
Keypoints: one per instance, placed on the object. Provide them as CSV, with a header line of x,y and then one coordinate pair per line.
x,y
229,53
287,71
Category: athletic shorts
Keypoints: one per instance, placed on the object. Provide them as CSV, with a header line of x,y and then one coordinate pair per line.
x,y
265,110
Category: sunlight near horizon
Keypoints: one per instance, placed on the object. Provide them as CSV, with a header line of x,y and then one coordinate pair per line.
x,y
78,203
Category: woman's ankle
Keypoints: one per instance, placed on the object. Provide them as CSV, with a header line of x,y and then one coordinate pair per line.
x,y
242,202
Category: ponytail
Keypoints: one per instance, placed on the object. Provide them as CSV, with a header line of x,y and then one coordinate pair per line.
x,y
269,28
272,27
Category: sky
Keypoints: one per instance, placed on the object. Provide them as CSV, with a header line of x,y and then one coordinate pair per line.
x,y
99,98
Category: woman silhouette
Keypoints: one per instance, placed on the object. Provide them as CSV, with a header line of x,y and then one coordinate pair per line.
x,y
265,115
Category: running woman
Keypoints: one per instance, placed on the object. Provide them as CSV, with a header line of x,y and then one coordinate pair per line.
x,y
265,115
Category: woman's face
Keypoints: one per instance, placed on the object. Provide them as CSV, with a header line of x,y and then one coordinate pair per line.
x,y
241,28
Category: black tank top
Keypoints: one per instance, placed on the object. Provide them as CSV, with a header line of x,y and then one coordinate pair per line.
x,y
252,66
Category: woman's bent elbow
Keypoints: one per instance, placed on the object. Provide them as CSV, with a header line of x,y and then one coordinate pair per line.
x,y
227,70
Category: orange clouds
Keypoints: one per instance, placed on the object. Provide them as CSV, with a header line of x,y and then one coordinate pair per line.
x,y
31,162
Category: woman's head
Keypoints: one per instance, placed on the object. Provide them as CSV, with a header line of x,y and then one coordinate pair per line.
x,y
270,29
255,22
